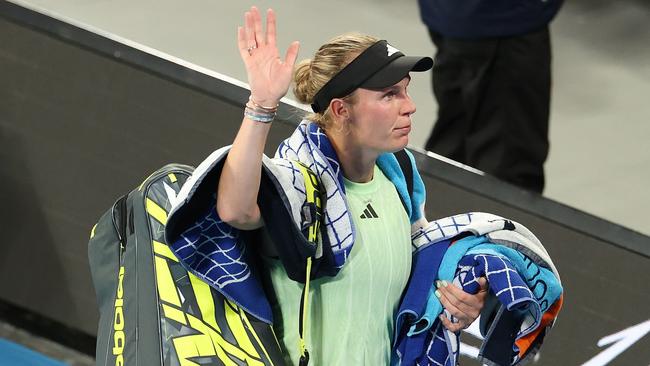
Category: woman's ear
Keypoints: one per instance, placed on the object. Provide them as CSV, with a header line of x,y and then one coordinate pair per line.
x,y
340,109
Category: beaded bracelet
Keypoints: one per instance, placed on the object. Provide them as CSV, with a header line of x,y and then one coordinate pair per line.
x,y
256,116
259,113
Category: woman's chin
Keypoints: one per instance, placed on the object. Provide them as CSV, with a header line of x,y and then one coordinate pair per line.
x,y
399,144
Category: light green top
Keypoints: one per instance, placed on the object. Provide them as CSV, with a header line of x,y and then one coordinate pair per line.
x,y
351,315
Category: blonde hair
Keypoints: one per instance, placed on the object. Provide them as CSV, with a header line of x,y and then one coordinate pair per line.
x,y
312,74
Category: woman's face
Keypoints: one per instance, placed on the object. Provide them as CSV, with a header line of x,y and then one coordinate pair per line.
x,y
381,119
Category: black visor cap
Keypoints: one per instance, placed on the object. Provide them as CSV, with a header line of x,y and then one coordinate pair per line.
x,y
397,70
379,66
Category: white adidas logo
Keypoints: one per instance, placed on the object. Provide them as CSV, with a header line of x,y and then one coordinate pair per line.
x,y
391,50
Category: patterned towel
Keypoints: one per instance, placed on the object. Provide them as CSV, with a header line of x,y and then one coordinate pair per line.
x,y
498,229
525,288
310,145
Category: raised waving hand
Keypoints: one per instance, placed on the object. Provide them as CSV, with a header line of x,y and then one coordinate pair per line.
x,y
269,76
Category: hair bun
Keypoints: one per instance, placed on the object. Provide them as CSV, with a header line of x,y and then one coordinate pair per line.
x,y
304,87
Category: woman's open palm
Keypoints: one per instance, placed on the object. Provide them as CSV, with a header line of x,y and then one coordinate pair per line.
x,y
269,76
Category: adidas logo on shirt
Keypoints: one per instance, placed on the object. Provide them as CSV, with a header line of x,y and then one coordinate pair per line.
x,y
369,213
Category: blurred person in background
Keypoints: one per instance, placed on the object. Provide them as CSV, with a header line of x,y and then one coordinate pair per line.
x,y
492,82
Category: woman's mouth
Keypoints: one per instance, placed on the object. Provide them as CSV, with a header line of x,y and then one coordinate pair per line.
x,y
403,130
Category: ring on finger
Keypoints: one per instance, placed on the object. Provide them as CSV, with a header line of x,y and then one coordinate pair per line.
x,y
251,48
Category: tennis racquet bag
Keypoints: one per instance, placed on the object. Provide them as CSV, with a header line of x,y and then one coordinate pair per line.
x,y
152,311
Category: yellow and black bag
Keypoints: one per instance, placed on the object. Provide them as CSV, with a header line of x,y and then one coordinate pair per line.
x,y
152,311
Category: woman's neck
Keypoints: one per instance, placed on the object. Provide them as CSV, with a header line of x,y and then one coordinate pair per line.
x,y
358,164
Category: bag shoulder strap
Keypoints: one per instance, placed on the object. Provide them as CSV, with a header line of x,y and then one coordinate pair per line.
x,y
316,200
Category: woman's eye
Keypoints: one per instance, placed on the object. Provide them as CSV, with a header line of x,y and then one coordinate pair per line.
x,y
389,94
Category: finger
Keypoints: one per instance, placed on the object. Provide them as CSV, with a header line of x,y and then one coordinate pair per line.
x,y
459,298
257,22
292,54
250,29
471,300
241,42
483,284
270,27
454,327
452,306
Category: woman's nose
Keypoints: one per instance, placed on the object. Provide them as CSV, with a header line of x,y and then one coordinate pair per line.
x,y
409,105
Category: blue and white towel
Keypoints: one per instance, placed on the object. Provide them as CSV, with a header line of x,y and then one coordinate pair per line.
x,y
524,287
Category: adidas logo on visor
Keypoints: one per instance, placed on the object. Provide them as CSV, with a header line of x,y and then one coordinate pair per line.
x,y
391,50
369,213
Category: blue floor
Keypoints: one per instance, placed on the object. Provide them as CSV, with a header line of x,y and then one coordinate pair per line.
x,y
16,355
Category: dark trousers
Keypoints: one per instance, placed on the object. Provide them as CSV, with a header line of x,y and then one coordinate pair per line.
x,y
493,97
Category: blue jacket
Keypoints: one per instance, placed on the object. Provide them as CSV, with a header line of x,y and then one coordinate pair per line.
x,y
475,19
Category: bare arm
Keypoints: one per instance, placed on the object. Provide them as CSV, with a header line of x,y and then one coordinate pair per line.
x,y
269,78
